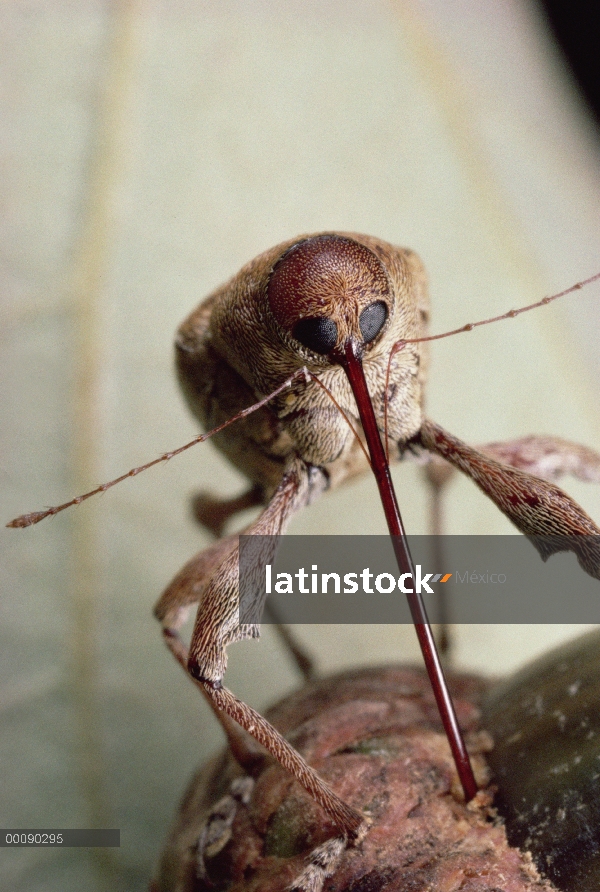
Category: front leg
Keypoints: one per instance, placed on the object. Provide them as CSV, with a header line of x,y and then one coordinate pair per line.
x,y
547,457
172,610
217,625
213,514
550,518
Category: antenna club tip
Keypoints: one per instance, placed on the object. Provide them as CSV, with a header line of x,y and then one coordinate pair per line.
x,y
26,520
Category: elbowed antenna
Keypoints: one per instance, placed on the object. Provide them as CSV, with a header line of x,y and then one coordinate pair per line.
x,y
510,314
27,520
469,326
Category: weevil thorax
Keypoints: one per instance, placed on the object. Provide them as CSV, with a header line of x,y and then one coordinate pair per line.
x,y
299,304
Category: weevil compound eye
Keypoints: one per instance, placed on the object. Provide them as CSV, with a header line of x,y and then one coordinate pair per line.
x,y
319,334
326,289
372,319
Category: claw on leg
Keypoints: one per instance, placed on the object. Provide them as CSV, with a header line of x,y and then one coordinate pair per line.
x,y
322,864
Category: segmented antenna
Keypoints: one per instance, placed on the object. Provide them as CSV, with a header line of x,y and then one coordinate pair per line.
x,y
27,520
511,314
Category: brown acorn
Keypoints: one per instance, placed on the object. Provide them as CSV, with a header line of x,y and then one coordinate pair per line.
x,y
546,761
375,736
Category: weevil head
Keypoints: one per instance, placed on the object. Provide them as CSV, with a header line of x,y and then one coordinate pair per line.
x,y
301,302
327,290
299,305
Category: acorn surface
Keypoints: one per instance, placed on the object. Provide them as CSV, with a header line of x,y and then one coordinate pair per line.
x,y
375,736
545,721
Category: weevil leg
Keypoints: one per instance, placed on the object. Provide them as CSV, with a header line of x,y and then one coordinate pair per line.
x,y
303,662
213,514
217,829
322,863
172,610
547,457
549,517
351,824
438,473
217,626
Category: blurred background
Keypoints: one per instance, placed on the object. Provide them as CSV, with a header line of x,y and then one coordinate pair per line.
x,y
148,150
